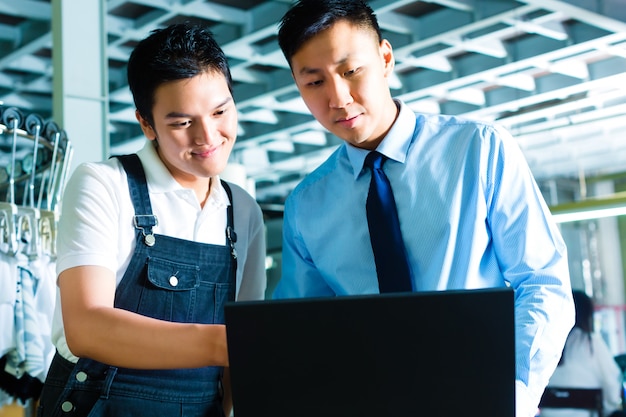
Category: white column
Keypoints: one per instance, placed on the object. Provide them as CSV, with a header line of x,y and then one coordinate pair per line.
x,y
609,252
612,291
80,81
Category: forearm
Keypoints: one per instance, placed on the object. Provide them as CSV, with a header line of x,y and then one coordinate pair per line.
x,y
97,330
122,338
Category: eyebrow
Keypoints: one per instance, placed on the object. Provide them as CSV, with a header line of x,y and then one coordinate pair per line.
x,y
176,115
309,70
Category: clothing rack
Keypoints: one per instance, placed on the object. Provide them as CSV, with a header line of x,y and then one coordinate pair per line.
x,y
35,157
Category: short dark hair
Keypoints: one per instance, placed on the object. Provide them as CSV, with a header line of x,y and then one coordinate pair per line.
x,y
584,318
584,311
177,52
307,18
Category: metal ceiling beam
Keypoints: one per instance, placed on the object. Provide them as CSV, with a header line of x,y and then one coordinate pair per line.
x,y
27,9
596,19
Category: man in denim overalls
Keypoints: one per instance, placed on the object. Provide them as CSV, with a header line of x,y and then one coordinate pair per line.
x,y
151,245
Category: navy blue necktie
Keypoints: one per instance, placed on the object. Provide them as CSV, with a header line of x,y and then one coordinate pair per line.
x,y
392,266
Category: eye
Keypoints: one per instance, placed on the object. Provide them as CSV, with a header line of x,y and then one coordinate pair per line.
x,y
351,72
315,83
182,123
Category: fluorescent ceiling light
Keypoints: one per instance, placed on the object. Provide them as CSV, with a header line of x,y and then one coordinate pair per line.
x,y
552,29
614,50
590,209
571,67
484,45
282,146
468,95
524,82
425,106
294,105
434,62
260,116
310,137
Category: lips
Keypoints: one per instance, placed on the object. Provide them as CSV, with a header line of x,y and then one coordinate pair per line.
x,y
205,152
348,121
347,118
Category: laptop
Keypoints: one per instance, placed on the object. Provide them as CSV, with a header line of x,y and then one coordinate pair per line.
x,y
444,354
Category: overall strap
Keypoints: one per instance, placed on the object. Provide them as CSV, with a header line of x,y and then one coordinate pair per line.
x,y
231,236
145,220
138,188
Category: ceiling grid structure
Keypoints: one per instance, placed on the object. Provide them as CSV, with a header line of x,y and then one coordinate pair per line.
x,y
552,72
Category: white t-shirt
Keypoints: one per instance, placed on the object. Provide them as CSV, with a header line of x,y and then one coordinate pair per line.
x,y
587,365
96,224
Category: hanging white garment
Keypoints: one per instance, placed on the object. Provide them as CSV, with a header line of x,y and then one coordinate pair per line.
x,y
8,294
44,271
28,356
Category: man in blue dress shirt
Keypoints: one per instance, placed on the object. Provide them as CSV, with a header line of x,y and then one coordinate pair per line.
x,y
470,211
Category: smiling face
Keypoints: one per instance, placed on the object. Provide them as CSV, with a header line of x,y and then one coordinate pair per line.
x,y
342,76
195,126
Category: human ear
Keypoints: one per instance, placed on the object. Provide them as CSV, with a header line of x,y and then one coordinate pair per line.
x,y
386,52
146,127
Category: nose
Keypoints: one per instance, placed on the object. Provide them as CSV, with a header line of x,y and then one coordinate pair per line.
x,y
205,132
339,95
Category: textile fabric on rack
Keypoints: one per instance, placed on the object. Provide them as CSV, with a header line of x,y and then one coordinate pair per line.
x,y
28,351
38,155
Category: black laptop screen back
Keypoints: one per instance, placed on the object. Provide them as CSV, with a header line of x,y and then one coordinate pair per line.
x,y
442,354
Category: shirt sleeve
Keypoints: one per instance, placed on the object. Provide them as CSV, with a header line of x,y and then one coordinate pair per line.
x,y
250,247
90,218
533,259
300,277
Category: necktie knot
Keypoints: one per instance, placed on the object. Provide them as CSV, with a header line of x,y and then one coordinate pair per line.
x,y
375,160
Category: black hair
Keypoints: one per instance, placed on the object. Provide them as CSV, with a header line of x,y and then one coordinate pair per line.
x,y
179,51
584,315
307,18
584,311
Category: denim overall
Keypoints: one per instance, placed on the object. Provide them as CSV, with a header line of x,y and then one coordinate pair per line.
x,y
169,279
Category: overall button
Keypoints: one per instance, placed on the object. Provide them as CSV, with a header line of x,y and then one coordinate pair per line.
x,y
81,376
149,240
67,406
173,281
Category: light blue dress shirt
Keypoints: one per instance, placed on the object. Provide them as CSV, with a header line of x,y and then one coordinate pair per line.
x,y
471,216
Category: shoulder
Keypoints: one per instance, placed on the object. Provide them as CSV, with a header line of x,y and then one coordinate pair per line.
x,y
96,186
332,169
478,128
110,170
106,176
492,143
244,205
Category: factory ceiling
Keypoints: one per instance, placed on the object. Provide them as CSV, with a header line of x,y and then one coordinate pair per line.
x,y
552,72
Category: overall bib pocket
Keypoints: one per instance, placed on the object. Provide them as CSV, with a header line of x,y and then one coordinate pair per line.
x,y
170,291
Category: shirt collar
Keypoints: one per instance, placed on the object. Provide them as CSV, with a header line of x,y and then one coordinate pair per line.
x,y
161,181
394,146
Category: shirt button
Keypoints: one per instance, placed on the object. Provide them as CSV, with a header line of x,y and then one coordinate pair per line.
x,y
81,376
67,406
173,281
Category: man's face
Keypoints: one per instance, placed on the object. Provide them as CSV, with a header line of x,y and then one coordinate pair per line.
x,y
195,124
342,77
